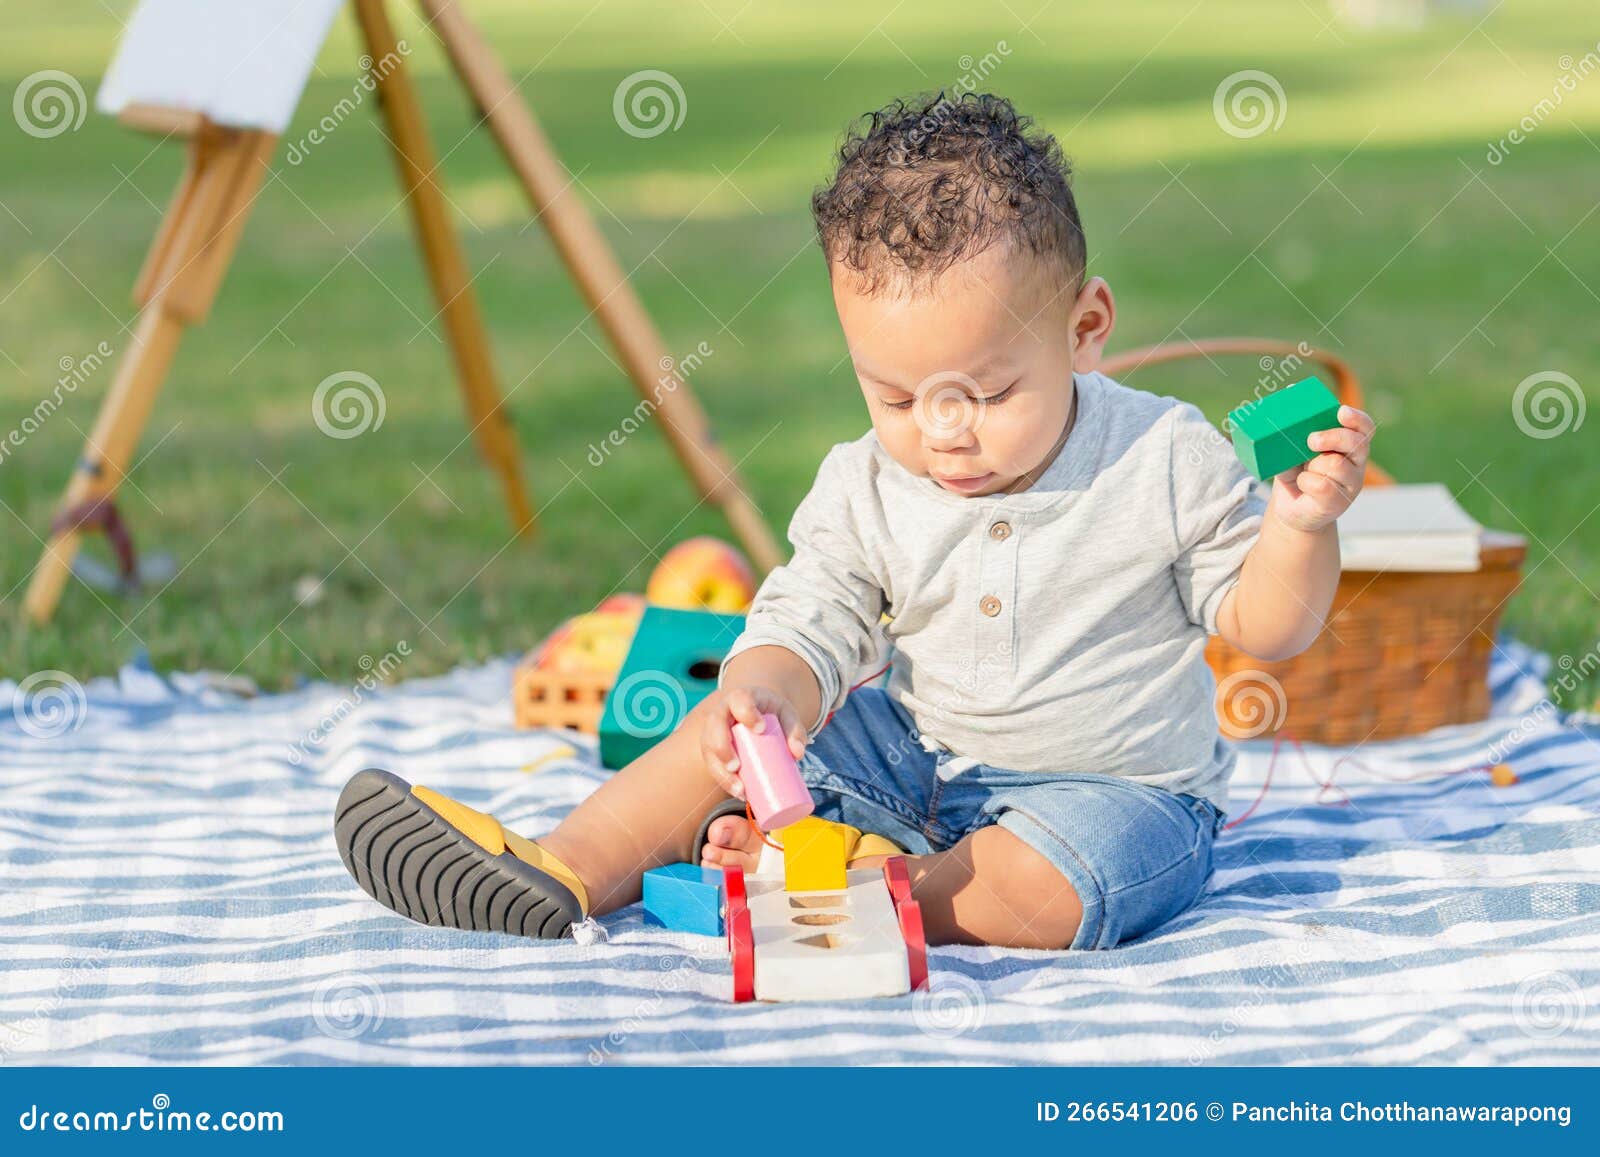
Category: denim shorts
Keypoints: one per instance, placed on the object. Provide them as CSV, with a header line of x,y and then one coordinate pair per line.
x,y
1137,856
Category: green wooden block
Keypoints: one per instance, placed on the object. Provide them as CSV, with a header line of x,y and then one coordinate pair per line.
x,y
672,664
1269,435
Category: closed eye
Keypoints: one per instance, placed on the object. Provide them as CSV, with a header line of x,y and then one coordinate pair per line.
x,y
990,400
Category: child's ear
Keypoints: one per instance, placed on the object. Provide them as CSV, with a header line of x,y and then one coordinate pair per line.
x,y
1094,314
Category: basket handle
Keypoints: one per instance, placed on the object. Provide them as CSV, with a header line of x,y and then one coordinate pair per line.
x,y
1345,383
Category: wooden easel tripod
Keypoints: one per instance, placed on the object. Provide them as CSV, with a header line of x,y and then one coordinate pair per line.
x,y
201,228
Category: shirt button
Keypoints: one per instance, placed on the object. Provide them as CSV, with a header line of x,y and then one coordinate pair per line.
x,y
1000,531
989,605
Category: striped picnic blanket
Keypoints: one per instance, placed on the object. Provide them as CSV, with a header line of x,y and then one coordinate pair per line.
x,y
169,892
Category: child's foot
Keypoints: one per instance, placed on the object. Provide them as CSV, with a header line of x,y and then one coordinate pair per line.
x,y
731,840
438,862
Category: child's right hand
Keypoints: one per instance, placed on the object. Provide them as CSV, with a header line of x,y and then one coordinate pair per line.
x,y
743,705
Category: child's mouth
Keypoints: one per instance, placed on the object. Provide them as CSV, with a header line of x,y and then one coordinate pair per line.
x,y
966,484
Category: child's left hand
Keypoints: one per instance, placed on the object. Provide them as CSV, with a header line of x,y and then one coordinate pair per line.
x,y
1312,495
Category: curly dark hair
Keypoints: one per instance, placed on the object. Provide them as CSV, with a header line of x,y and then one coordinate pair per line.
x,y
930,180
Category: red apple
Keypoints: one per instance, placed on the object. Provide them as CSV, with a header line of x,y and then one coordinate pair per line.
x,y
595,643
702,574
626,603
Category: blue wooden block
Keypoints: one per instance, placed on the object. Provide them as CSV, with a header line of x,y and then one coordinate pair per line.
x,y
684,898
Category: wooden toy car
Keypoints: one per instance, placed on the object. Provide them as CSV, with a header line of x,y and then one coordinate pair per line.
x,y
864,941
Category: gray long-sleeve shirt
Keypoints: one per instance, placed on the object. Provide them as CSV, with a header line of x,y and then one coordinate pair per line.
x,y
1061,628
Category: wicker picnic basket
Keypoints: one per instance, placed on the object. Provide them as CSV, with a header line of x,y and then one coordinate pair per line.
x,y
1402,653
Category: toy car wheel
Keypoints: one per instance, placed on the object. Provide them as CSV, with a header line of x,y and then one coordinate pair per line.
x,y
734,895
910,914
741,939
742,948
898,879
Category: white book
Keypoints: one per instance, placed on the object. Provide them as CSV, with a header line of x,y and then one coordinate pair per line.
x,y
1417,527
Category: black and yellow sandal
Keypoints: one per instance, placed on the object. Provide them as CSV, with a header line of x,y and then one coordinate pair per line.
x,y
439,862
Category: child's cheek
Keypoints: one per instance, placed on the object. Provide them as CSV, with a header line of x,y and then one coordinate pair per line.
x,y
899,437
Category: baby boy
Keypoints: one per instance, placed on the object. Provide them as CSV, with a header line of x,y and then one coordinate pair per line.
x,y
1045,549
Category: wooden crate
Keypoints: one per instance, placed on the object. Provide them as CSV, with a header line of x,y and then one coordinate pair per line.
x,y
553,699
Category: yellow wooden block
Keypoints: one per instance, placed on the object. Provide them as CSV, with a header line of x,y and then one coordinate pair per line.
x,y
813,856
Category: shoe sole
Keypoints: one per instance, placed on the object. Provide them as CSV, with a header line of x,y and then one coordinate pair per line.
x,y
413,861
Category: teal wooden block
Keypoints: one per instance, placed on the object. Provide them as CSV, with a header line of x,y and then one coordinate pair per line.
x,y
672,664
684,898
1269,434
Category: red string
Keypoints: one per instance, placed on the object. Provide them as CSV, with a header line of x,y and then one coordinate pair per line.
x,y
1327,785
751,816
862,684
1277,741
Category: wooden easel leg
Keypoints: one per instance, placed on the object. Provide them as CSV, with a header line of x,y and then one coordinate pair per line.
x,y
447,266
188,259
604,285
122,419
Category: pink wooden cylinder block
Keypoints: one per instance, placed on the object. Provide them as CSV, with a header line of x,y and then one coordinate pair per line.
x,y
772,783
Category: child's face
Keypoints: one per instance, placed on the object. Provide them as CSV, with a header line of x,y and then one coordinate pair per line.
x,y
970,383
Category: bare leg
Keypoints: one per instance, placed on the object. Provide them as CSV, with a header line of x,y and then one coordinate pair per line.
x,y
991,888
644,816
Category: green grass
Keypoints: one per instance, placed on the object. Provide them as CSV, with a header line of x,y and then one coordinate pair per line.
x,y
1369,222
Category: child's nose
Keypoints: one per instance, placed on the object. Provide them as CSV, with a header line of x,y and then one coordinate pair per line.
x,y
960,440
948,420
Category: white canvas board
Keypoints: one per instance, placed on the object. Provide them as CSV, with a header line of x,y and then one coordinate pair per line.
x,y
1408,509
242,63
1417,527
